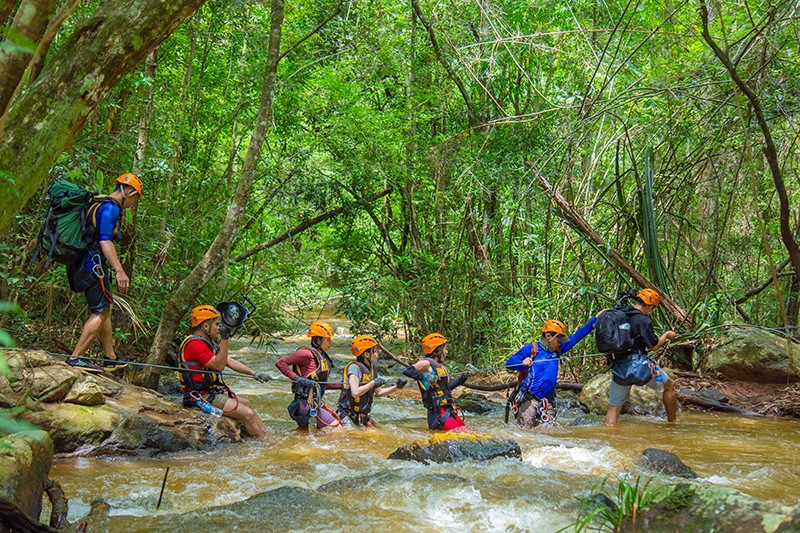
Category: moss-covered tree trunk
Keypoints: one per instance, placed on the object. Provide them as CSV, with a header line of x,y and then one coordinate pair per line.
x,y
188,292
48,116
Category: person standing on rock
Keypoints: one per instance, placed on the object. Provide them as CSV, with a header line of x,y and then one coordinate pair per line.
x,y
361,383
307,366
435,384
533,400
200,352
644,339
90,275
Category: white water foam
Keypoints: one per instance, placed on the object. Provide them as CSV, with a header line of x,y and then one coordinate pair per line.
x,y
600,461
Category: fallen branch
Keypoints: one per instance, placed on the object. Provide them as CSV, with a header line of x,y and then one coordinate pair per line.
x,y
694,399
59,504
393,356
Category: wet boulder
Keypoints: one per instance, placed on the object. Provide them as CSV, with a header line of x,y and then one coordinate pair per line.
x,y
85,391
569,402
454,447
642,400
755,355
98,414
791,523
665,463
693,507
477,404
25,460
47,383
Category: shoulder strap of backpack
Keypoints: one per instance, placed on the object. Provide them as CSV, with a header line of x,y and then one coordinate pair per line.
x,y
97,201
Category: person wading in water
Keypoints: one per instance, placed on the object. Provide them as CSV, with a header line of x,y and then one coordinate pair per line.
x,y
533,400
644,339
361,383
307,366
435,384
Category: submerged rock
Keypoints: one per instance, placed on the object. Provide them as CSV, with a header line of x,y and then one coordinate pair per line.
x,y
665,463
96,414
25,460
642,401
454,447
755,355
475,403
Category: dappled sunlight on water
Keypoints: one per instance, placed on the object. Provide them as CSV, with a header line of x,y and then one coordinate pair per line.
x,y
354,483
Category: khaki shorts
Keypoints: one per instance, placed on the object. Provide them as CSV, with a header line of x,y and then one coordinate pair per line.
x,y
219,401
618,394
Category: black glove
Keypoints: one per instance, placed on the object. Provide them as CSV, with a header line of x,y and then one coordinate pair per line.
x,y
379,382
225,331
262,377
401,383
300,380
471,371
413,373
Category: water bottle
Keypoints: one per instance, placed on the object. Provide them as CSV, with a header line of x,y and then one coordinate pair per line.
x,y
208,408
659,375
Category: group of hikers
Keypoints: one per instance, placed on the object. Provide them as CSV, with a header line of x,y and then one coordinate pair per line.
x,y
204,353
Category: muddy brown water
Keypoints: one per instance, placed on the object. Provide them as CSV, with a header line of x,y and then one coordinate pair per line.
x,y
341,480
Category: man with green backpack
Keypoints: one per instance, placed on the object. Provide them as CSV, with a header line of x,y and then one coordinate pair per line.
x,y
79,231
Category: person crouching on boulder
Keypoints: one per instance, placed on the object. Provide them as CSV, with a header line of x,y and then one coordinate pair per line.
x,y
361,383
533,400
307,366
199,351
644,339
435,384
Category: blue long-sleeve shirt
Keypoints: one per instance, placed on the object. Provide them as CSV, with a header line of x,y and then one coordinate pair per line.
x,y
540,378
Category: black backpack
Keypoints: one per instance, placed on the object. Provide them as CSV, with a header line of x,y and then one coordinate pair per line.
x,y
612,332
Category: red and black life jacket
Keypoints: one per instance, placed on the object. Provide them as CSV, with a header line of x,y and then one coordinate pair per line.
x,y
211,380
348,404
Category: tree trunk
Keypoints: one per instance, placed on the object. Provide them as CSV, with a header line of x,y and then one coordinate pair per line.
x,y
47,118
771,155
583,226
30,22
188,292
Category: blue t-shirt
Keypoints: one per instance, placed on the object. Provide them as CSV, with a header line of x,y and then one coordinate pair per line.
x,y
540,378
107,217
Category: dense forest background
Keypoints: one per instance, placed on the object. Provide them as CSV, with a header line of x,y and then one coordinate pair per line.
x,y
425,165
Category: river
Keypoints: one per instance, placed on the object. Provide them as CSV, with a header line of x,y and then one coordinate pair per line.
x,y
341,480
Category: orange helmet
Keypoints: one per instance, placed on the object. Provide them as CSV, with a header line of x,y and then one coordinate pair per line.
x,y
554,326
130,179
649,297
362,343
201,313
320,329
431,342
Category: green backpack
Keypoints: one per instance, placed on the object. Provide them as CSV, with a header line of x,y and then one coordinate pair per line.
x,y
69,225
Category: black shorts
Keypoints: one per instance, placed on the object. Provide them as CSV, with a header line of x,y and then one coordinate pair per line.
x,y
81,280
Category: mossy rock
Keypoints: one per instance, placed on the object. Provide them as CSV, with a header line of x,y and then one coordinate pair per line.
x,y
47,383
85,391
755,355
25,460
642,400
72,426
693,507
18,359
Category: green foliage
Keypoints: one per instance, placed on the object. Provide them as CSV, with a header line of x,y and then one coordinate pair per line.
x,y
624,110
604,512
